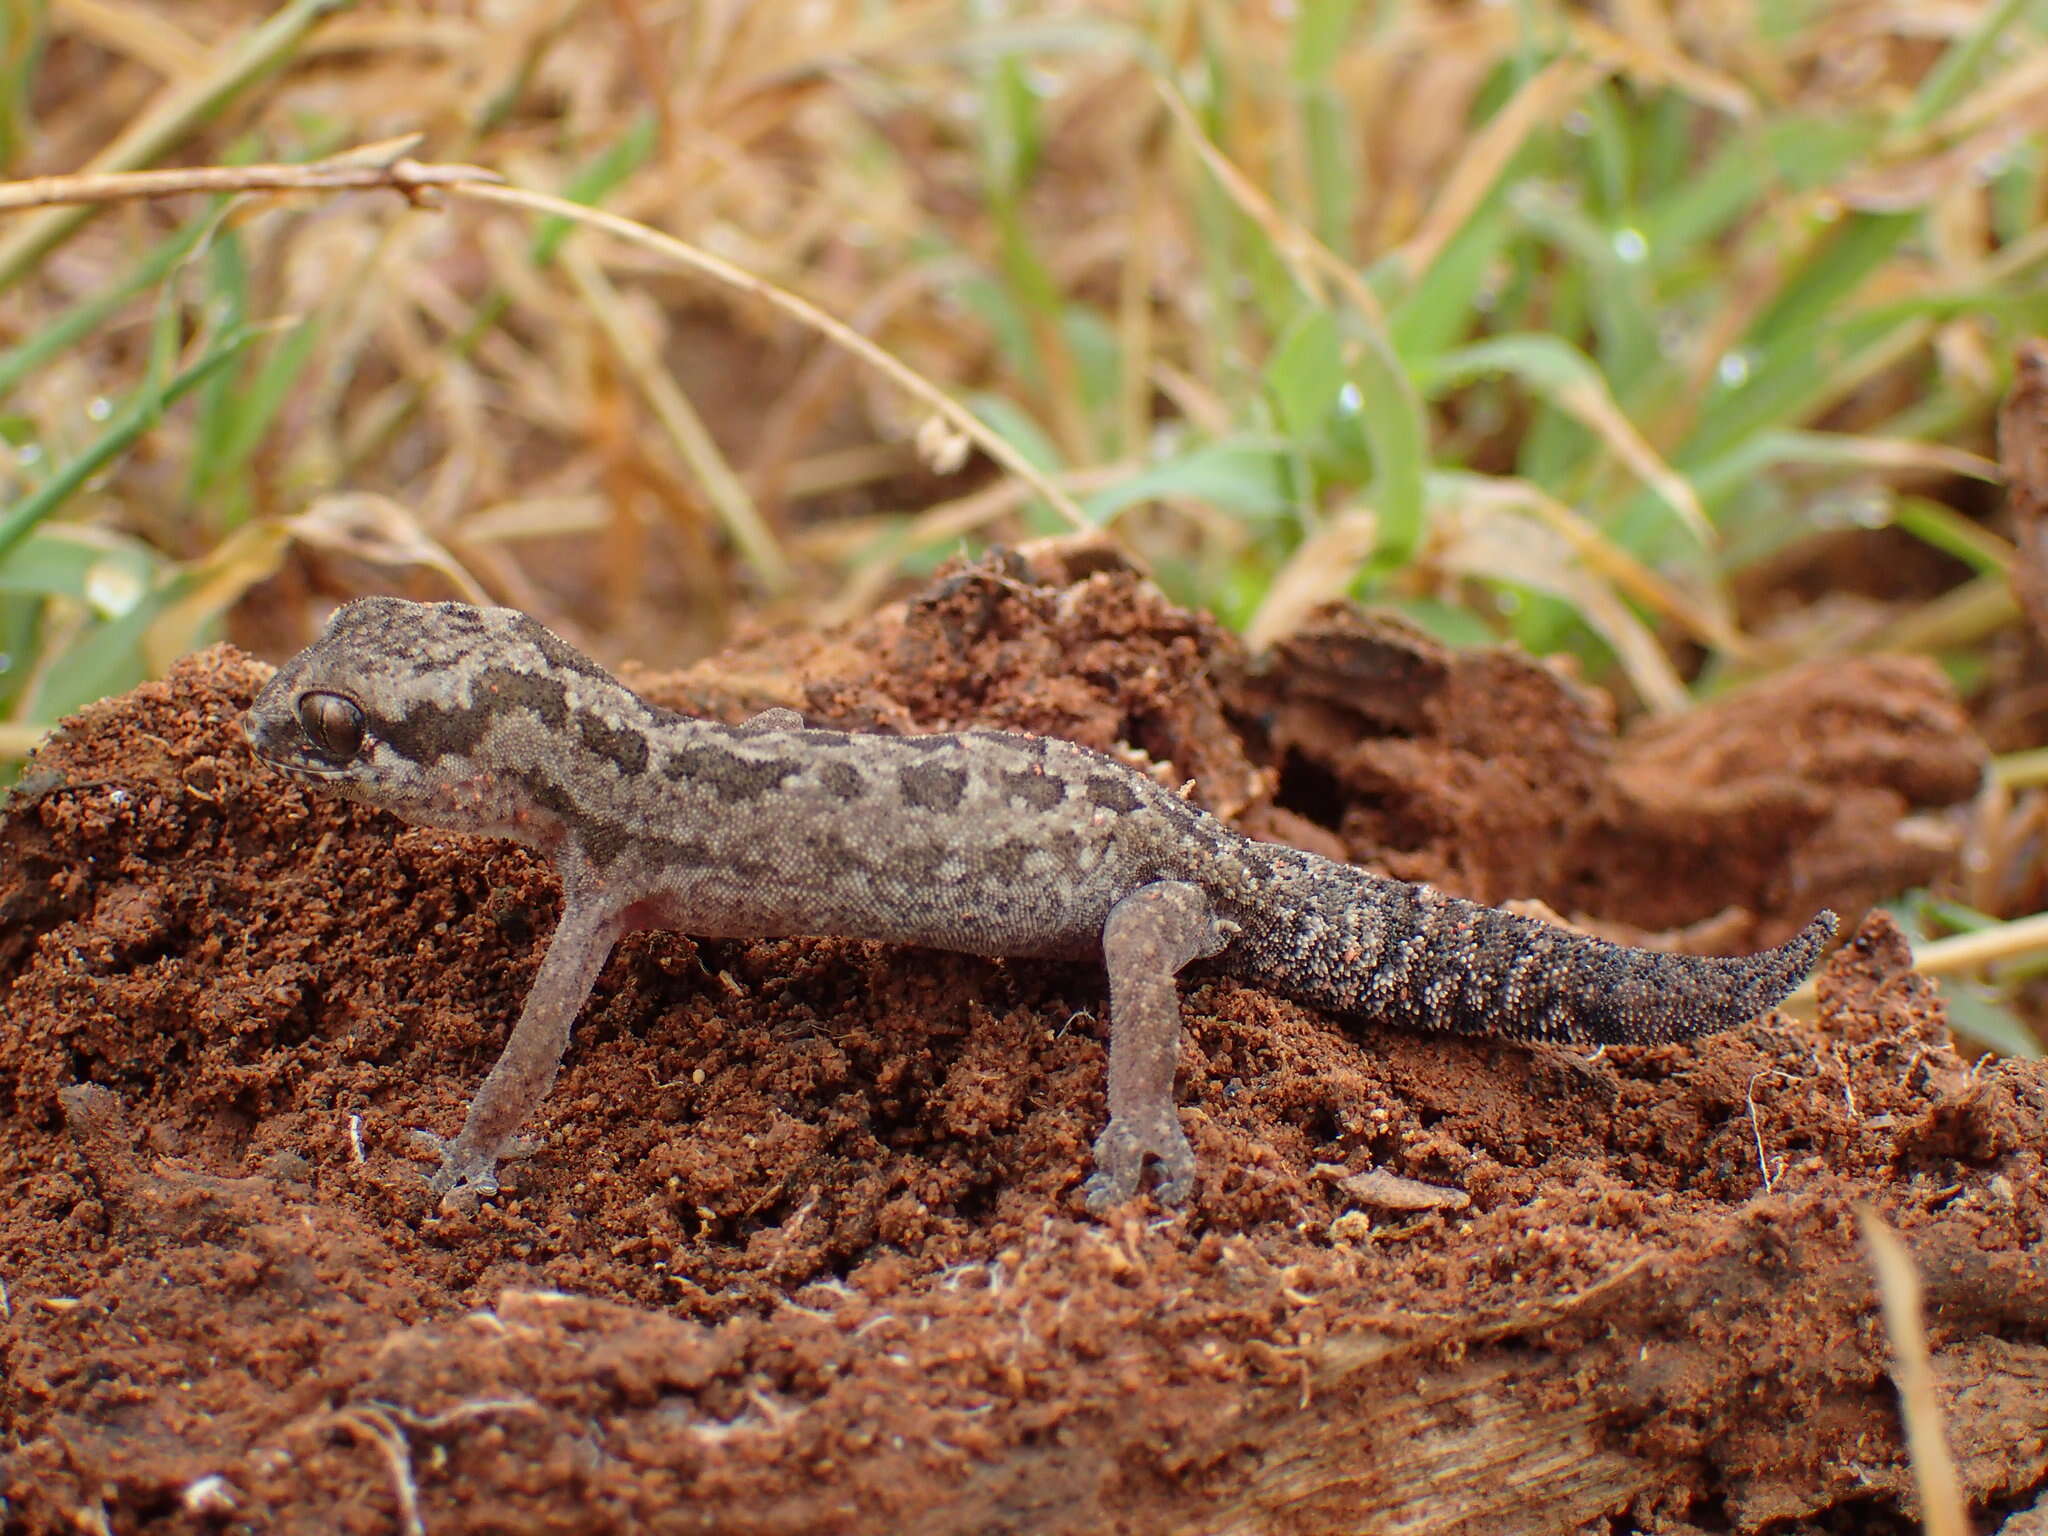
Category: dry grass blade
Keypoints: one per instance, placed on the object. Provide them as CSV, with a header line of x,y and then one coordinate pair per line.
x,y
1590,401
1609,559
1545,95
1942,1510
1321,570
1651,61
1302,251
138,33
1481,536
2023,448
1961,616
1903,454
679,419
684,254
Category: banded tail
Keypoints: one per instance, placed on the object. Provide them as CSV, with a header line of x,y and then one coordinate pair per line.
x,y
1338,938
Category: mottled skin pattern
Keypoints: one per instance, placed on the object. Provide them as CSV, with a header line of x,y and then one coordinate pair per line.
x,y
986,842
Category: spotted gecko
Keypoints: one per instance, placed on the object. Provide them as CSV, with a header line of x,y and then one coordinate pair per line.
x,y
986,842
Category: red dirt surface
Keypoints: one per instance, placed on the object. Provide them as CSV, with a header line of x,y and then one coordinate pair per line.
x,y
802,1251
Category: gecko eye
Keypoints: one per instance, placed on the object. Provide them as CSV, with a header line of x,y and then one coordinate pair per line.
x,y
333,722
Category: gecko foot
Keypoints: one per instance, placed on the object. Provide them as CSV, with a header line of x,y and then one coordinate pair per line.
x,y
1120,1153
467,1174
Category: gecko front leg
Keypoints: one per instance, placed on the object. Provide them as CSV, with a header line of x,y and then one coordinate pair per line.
x,y
526,1068
1149,935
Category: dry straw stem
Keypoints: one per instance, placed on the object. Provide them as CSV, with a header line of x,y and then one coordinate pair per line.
x,y
1968,951
1614,563
2021,770
18,740
1963,953
1942,1510
1546,94
1301,250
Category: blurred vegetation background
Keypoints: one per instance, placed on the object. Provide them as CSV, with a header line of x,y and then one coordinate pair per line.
x,y
1669,336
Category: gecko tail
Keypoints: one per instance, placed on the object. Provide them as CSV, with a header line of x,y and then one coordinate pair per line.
x,y
1639,996
1532,980
1777,973
1414,957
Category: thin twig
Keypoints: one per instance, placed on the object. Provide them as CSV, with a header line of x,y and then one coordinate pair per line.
x,y
176,111
372,165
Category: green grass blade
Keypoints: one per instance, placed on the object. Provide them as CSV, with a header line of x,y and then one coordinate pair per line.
x,y
104,571
1014,424
1389,410
119,435
103,659
1439,308
1321,28
1837,268
227,301
1680,225
1244,474
1305,376
1954,71
23,32
88,314
259,399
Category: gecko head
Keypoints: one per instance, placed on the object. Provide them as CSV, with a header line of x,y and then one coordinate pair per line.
x,y
425,709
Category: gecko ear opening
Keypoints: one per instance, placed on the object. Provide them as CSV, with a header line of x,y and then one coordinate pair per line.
x,y
334,724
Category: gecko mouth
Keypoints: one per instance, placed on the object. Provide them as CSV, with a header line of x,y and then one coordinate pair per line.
x,y
291,763
298,770
286,756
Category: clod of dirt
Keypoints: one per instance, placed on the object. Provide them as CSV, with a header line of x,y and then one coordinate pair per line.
x,y
799,1251
2023,451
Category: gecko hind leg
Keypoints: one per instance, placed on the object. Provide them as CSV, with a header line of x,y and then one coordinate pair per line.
x,y
1149,935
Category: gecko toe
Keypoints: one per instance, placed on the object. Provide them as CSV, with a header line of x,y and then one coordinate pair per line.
x,y
1120,1153
1105,1191
464,1175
